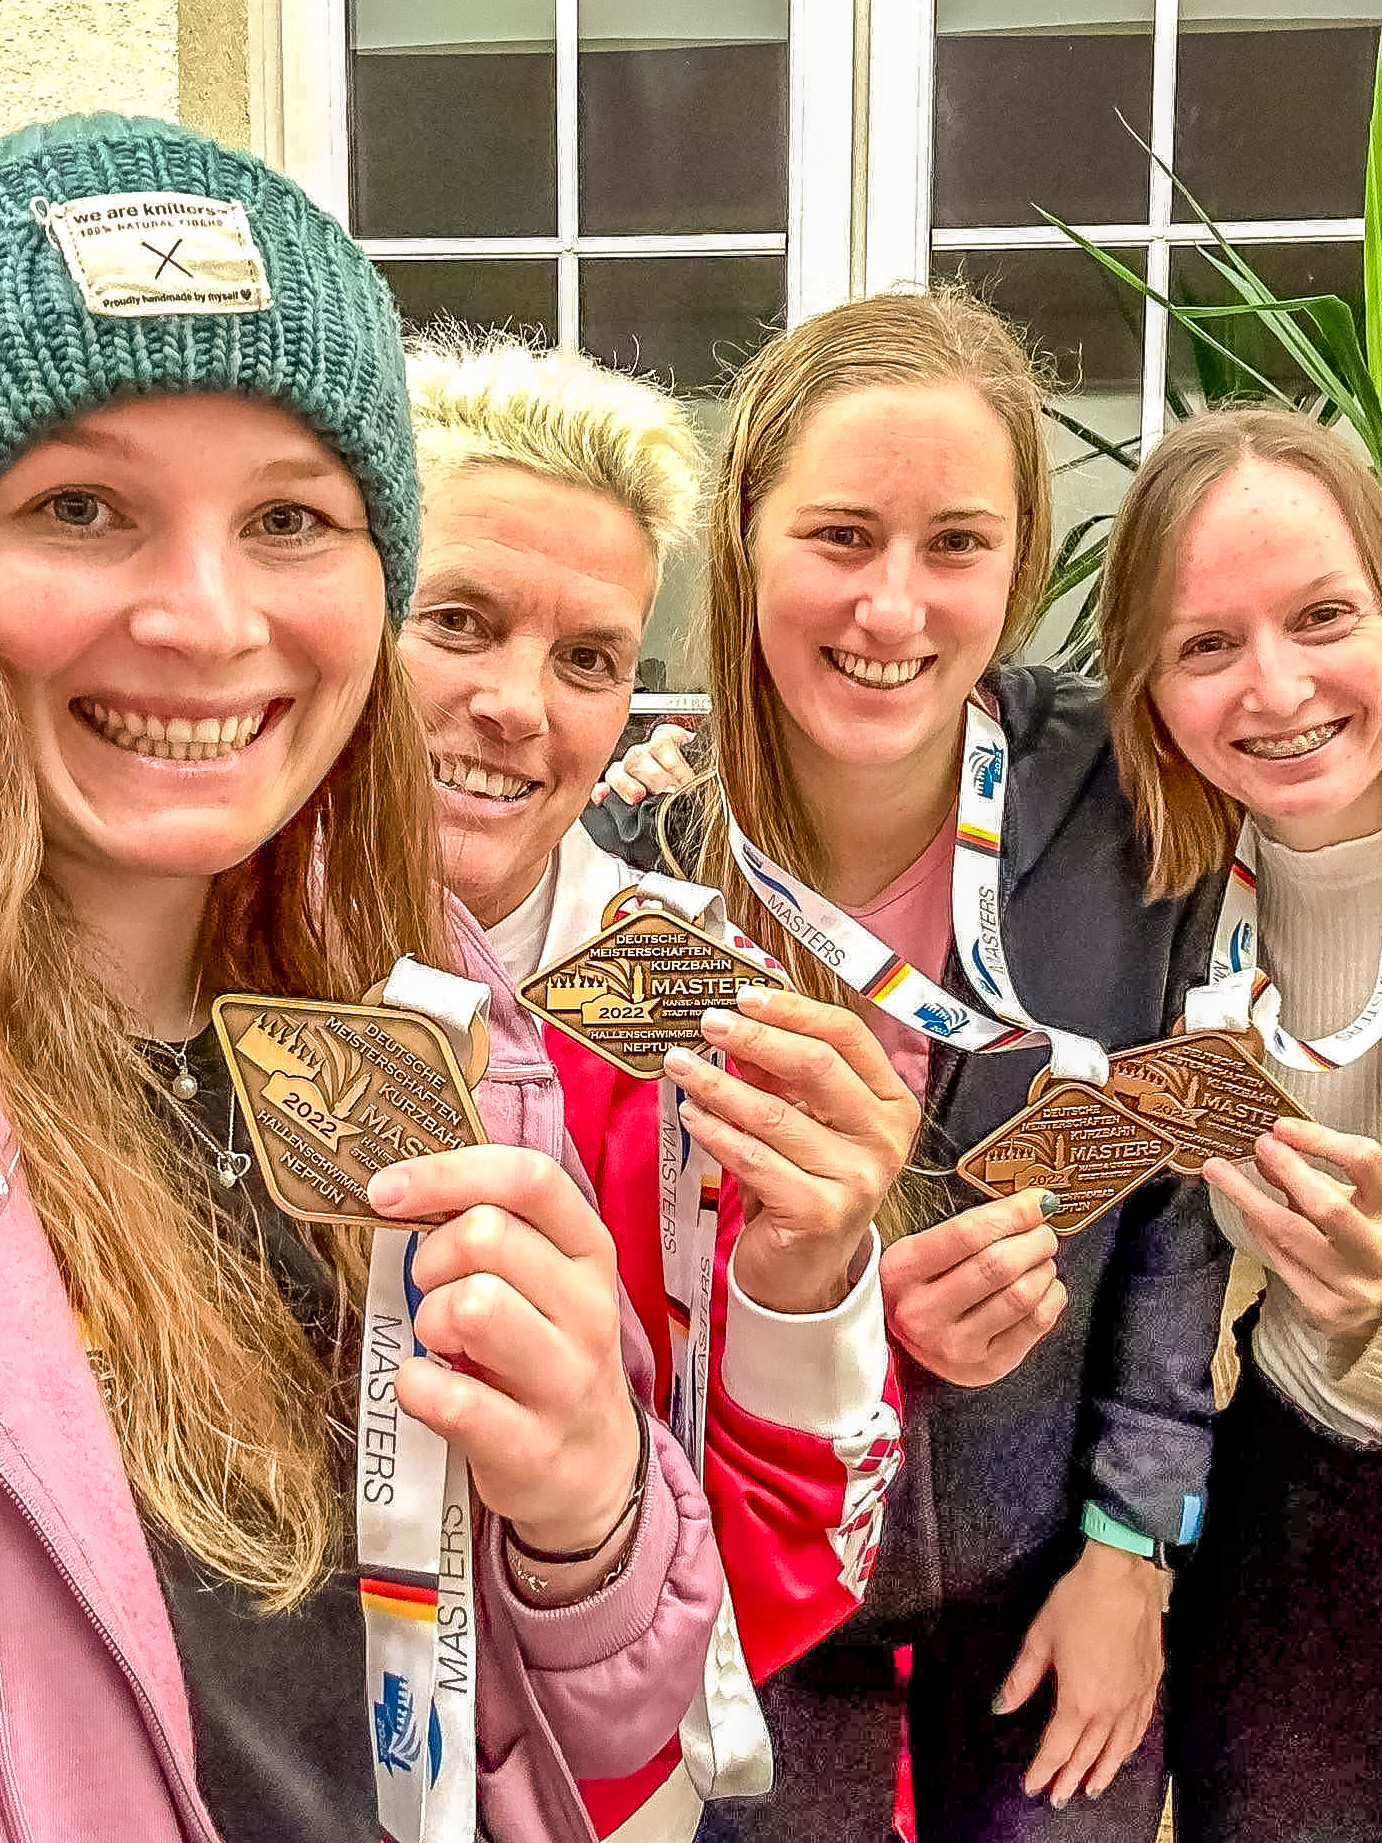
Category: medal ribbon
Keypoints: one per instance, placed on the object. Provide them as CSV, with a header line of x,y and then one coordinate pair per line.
x,y
1238,995
724,1739
413,1529
868,966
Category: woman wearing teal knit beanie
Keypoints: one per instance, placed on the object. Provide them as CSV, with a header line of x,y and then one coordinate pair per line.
x,y
211,781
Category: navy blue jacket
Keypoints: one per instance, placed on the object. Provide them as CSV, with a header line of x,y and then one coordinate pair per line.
x,y
1114,1405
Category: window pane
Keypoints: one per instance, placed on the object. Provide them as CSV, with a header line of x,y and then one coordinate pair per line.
x,y
478,294
691,320
453,106
1274,123
672,658
1091,327
683,116
1288,269
1026,95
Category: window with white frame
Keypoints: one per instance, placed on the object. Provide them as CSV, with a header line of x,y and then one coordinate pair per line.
x,y
622,175
993,108
658,180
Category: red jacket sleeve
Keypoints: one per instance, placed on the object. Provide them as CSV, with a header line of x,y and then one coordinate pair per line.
x,y
803,1432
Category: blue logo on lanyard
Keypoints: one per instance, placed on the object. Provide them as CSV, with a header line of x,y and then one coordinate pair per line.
x,y
1240,947
939,1020
412,1292
986,979
986,768
757,862
396,1739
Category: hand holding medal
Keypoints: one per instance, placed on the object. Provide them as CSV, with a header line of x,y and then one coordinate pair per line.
x,y
1324,1237
491,1343
521,1301
814,1125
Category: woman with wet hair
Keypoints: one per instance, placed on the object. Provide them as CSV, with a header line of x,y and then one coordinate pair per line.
x,y
880,539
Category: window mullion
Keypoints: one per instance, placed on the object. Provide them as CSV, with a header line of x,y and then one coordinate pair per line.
x,y
568,175
820,154
1160,198
902,40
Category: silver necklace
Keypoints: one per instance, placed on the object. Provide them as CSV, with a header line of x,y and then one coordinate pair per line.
x,y
231,1165
184,1083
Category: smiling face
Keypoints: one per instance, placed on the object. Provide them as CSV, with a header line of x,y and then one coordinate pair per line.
x,y
1269,673
884,555
531,604
190,613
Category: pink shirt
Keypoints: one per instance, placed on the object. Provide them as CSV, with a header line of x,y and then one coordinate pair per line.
x,y
912,916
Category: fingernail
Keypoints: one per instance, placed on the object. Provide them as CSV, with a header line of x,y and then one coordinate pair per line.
x,y
1000,1703
690,1113
1092,1792
387,1189
680,1061
1050,1203
716,1018
1059,1804
752,997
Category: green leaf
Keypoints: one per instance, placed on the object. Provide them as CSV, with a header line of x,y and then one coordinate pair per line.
x,y
1113,451
1064,578
1186,316
1319,363
1076,536
1372,231
1336,323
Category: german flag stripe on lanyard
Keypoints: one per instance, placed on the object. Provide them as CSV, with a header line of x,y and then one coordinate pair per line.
x,y
1239,995
856,956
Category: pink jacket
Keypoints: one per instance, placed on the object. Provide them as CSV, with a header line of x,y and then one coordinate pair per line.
x,y
95,1738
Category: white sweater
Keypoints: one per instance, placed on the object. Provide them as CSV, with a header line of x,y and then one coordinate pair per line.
x,y
1320,924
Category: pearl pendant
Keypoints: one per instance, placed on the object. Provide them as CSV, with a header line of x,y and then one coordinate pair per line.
x,y
231,1167
185,1085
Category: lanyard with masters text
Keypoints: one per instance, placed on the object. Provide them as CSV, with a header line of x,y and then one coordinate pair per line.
x,y
724,1739
1238,995
856,955
414,1534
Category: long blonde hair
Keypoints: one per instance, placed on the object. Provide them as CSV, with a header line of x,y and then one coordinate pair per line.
x,y
231,1420
1189,824
890,339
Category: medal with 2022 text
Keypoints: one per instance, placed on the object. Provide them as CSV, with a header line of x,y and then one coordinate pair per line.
x,y
333,1093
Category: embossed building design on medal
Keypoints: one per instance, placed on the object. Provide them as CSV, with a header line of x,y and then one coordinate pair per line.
x,y
641,987
1075,1141
333,1093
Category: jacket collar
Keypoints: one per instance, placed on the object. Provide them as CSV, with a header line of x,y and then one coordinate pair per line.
x,y
1058,740
60,1460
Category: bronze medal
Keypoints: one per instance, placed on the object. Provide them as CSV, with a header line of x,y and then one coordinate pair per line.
x,y
333,1093
641,988
1075,1141
1204,1088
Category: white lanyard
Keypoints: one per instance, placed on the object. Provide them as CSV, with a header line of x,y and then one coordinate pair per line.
x,y
1239,996
413,1530
871,968
724,1739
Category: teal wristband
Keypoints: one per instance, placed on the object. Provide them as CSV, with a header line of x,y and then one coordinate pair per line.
x,y
1099,1526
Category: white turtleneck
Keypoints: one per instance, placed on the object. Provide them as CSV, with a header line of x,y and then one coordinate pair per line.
x,y
1320,924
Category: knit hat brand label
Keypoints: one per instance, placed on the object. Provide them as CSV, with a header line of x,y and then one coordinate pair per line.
x,y
138,253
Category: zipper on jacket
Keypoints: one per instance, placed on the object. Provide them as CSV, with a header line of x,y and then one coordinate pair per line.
x,y
161,1744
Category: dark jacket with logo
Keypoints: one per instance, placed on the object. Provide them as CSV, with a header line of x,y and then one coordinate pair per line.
x,y
1114,1405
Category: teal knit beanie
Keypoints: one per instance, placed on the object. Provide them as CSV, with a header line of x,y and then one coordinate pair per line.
x,y
138,258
